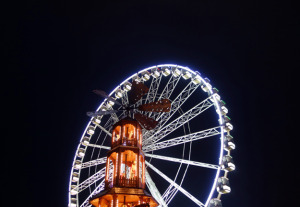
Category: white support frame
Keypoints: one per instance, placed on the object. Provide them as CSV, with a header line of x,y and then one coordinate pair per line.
x,y
99,146
182,190
169,88
183,139
91,163
178,122
98,189
166,93
188,162
175,105
153,90
153,190
91,180
103,129
125,98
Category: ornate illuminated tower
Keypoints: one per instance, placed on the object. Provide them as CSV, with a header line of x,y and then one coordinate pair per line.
x,y
125,169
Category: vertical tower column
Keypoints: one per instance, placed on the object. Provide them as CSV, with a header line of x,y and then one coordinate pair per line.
x,y
115,197
138,169
107,172
120,153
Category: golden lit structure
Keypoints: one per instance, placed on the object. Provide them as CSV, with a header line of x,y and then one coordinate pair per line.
x,y
125,169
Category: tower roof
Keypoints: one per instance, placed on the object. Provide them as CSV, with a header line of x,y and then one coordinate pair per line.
x,y
126,120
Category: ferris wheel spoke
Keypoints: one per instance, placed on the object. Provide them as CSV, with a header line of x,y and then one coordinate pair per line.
x,y
113,115
139,102
99,188
183,139
176,103
99,146
153,89
167,91
169,193
103,129
187,116
91,180
182,190
107,125
188,162
125,99
153,189
169,88
91,163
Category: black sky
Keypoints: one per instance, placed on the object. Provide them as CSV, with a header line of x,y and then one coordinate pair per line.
x,y
58,52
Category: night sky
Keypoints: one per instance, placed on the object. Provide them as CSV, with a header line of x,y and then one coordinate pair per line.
x,y
59,51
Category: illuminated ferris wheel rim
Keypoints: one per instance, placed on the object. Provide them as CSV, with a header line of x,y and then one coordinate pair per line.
x,y
204,82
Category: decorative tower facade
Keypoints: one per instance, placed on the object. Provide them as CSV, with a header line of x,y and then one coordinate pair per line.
x,y
125,169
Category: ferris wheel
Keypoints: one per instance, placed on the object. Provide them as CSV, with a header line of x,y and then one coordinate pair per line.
x,y
187,151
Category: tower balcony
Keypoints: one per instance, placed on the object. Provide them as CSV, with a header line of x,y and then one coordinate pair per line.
x,y
126,142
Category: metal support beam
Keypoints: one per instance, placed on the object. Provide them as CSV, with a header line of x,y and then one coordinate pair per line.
x,y
154,191
187,116
99,146
188,162
153,89
176,103
186,193
91,180
99,188
103,129
94,162
183,139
